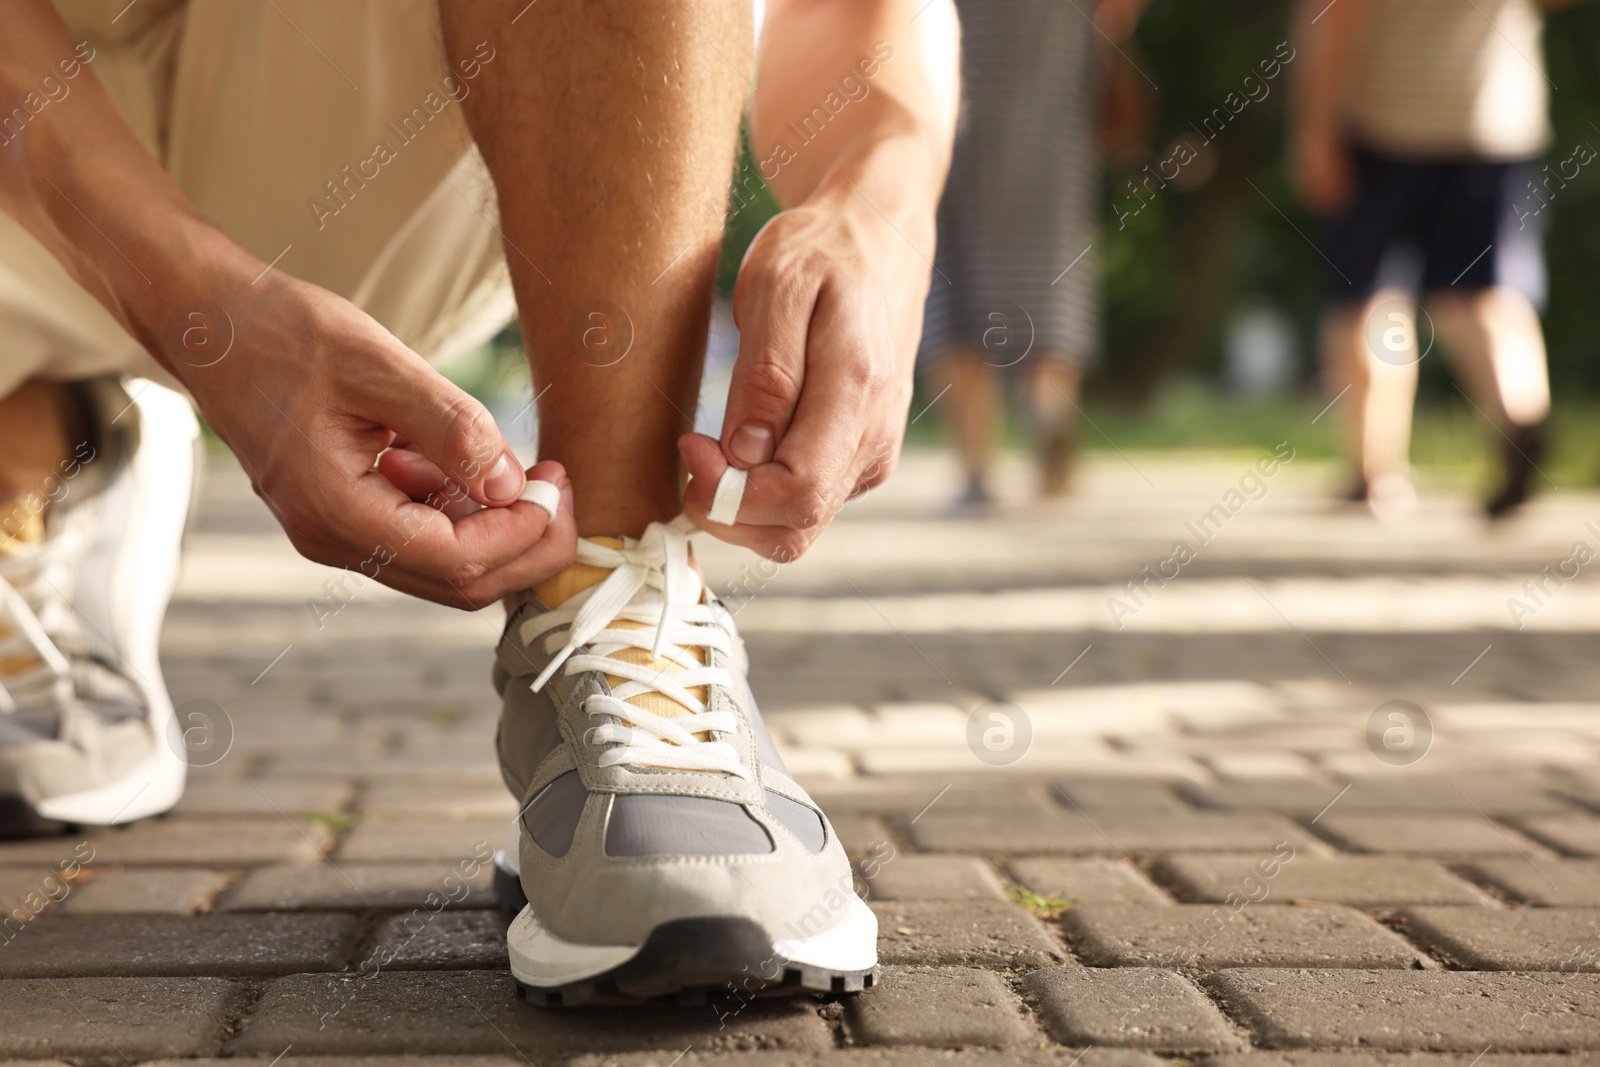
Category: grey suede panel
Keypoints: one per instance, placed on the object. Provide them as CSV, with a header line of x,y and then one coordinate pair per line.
x,y
643,825
802,821
552,816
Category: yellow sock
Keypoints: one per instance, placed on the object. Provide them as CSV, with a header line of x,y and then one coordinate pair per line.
x,y
562,587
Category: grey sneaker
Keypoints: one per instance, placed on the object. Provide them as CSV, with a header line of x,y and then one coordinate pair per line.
x,y
662,849
86,725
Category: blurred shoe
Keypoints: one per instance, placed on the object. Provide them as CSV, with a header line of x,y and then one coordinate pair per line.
x,y
662,850
1388,496
1521,451
86,727
975,499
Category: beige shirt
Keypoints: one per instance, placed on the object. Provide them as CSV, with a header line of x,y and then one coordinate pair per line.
x,y
1441,78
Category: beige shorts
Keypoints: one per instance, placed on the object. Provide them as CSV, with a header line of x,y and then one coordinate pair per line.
x,y
325,137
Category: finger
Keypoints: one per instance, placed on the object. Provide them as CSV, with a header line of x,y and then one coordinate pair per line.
x,y
769,373
344,522
448,427
419,478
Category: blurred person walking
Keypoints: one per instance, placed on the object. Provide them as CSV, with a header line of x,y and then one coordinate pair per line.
x,y
1014,290
1415,130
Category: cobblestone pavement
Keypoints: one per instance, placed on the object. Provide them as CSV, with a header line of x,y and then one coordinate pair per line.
x,y
1178,821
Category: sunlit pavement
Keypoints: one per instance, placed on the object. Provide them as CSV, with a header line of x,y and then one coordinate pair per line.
x,y
1310,782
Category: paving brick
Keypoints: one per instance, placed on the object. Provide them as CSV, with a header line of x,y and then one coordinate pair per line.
x,y
464,940
1105,832
1216,936
1095,797
1444,1011
1305,797
445,841
1249,766
1425,835
26,892
175,841
363,886
1559,883
1524,939
1136,1007
1576,835
908,876
420,1012
1088,880
146,891
115,1019
434,801
864,835
119,945
946,1008
265,796
1360,881
967,933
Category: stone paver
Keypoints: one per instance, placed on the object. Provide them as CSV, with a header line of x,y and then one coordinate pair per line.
x,y
267,796
119,945
1135,1007
1107,832
363,886
940,1007
1551,882
147,891
1431,795
1088,880
194,841
1445,1011
409,840
1337,1058
107,1019
1426,835
463,940
480,1011
1361,881
911,877
1245,935
1575,835
965,933
1524,939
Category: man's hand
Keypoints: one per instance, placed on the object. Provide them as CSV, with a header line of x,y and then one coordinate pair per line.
x,y
1321,169
830,295
313,391
829,307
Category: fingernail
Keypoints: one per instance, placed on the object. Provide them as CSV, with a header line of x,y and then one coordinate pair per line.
x,y
566,500
751,444
504,481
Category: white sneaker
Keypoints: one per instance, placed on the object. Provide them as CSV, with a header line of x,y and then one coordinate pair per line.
x,y
662,850
86,726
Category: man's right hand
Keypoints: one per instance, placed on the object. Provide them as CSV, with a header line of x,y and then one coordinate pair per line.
x,y
312,391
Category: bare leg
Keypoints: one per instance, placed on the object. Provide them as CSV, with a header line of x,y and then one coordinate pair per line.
x,y
974,409
1375,395
1053,391
609,128
1496,345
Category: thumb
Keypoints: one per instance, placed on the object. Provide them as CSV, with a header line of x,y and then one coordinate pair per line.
x,y
459,435
768,373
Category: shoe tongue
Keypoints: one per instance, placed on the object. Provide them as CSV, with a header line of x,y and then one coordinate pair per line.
x,y
560,588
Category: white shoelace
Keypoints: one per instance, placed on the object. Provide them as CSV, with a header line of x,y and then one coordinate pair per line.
x,y
30,603
651,583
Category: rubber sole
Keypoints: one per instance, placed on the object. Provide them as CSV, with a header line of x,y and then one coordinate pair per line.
x,y
723,962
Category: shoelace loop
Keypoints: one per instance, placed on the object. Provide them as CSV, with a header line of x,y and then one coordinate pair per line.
x,y
650,582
